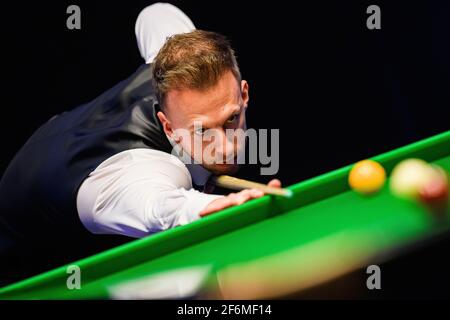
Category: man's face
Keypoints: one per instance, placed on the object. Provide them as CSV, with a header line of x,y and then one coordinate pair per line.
x,y
205,123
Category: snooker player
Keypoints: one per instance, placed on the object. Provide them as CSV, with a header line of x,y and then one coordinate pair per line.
x,y
107,166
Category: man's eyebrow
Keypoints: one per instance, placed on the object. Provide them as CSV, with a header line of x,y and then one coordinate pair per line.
x,y
236,108
194,123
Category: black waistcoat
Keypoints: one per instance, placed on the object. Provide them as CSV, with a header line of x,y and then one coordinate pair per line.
x,y
38,190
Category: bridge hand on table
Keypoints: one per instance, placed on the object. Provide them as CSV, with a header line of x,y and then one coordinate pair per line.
x,y
234,199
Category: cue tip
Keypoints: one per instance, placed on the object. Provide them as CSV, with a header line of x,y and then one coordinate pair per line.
x,y
289,193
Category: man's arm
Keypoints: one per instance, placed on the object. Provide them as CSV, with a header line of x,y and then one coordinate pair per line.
x,y
139,192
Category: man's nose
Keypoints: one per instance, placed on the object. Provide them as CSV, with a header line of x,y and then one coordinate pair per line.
x,y
227,143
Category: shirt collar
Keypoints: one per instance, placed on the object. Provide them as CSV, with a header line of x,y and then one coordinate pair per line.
x,y
198,173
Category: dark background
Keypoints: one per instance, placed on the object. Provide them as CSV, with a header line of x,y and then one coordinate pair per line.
x,y
337,91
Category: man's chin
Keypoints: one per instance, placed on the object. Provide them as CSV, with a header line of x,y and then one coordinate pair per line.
x,y
219,169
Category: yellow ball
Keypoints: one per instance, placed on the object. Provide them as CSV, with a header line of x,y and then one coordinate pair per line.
x,y
367,177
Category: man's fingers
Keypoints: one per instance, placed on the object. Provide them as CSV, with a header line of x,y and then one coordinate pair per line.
x,y
233,199
216,205
256,193
246,195
275,183
220,204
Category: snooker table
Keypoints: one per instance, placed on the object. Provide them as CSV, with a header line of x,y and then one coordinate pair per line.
x,y
324,224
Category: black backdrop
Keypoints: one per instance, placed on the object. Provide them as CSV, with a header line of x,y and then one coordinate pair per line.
x,y
337,91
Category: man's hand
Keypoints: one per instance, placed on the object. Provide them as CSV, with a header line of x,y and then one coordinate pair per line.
x,y
234,199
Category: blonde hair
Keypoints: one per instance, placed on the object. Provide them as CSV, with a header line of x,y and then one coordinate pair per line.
x,y
194,60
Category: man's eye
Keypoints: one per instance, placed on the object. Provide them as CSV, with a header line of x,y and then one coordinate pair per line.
x,y
200,132
233,118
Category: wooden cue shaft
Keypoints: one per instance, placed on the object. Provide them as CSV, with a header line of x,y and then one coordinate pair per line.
x,y
229,182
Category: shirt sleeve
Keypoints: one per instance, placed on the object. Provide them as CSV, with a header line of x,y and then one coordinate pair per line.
x,y
139,192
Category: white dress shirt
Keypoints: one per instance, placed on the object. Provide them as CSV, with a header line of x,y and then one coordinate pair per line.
x,y
141,191
155,24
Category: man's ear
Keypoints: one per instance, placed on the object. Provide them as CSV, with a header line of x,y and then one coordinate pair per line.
x,y
167,127
244,92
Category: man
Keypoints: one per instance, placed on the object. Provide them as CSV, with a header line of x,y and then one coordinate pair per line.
x,y
107,166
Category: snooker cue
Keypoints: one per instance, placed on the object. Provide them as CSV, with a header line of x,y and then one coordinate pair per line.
x,y
229,182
